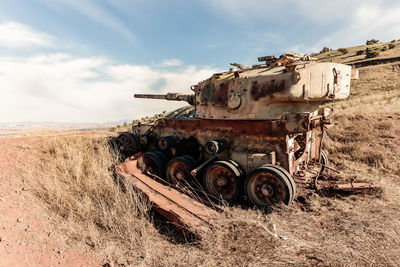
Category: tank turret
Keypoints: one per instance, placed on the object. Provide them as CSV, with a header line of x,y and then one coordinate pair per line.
x,y
290,84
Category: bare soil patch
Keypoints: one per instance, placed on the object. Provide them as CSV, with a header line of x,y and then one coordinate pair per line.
x,y
27,238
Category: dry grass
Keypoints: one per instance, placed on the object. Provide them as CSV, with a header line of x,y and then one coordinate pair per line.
x,y
79,191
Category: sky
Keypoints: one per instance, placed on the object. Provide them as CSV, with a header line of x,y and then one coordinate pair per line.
x,y
82,60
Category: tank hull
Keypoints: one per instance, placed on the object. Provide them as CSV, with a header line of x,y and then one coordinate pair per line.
x,y
292,143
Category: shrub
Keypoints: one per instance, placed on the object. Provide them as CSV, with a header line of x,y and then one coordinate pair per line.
x,y
384,48
343,50
360,52
391,46
393,41
325,49
371,52
372,41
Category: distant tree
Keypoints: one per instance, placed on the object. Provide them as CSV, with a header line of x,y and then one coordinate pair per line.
x,y
391,46
372,41
371,52
343,50
393,41
360,52
325,49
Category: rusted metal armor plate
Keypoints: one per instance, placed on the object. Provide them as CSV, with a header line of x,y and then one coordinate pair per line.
x,y
177,207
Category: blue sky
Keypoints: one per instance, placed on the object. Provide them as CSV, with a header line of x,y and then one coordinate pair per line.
x,y
81,60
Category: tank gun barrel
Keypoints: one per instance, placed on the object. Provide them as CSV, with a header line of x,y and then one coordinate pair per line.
x,y
169,97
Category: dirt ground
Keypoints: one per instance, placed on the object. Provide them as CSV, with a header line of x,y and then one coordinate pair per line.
x,y
26,236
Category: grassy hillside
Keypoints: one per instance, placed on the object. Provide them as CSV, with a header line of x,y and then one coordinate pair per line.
x,y
364,229
350,55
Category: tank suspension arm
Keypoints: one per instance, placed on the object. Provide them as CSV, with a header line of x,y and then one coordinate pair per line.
x,y
168,96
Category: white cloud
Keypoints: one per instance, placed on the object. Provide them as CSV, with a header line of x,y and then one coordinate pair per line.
x,y
95,12
369,20
328,23
172,62
16,35
61,87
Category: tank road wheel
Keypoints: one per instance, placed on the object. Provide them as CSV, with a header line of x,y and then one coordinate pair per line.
x,y
128,144
288,176
223,179
269,185
155,162
178,169
323,160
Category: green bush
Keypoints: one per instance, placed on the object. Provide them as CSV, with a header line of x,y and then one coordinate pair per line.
x,y
343,50
371,52
391,46
384,48
325,49
360,52
372,41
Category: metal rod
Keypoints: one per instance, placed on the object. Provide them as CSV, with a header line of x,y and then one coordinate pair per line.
x,y
194,171
332,169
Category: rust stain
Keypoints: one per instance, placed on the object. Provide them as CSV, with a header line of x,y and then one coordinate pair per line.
x,y
221,95
206,94
268,88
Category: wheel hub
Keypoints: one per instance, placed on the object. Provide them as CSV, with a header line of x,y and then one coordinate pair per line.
x,y
267,190
221,181
180,175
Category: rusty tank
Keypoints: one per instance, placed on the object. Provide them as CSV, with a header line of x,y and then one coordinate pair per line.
x,y
255,133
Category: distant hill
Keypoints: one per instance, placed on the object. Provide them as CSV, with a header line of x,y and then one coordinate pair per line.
x,y
356,54
9,128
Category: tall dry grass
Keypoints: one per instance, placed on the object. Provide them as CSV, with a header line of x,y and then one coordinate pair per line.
x,y
79,189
